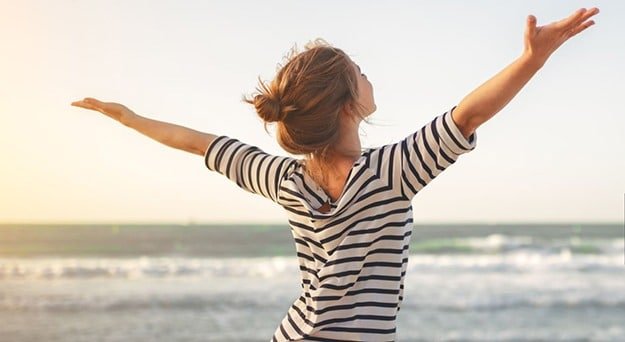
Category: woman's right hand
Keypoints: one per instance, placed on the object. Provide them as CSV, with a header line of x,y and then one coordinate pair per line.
x,y
116,111
540,42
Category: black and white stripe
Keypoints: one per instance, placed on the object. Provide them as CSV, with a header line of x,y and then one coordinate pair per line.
x,y
248,166
353,258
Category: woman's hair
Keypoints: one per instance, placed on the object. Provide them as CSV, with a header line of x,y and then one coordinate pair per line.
x,y
306,98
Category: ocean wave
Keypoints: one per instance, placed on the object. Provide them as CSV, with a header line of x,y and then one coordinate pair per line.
x,y
503,244
76,303
268,267
518,261
220,303
517,303
144,267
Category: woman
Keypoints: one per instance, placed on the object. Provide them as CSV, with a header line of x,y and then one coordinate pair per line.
x,y
349,210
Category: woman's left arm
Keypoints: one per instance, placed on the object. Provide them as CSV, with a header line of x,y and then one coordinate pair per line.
x,y
540,42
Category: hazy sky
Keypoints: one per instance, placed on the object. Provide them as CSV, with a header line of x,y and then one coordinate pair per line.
x,y
555,153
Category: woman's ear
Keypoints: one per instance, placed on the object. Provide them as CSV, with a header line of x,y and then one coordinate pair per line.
x,y
352,111
348,111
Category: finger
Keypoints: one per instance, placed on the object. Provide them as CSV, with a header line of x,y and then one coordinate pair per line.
x,y
585,17
85,105
582,16
531,25
569,21
582,27
92,100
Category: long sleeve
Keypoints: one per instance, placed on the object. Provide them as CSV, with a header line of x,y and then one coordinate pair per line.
x,y
248,166
426,153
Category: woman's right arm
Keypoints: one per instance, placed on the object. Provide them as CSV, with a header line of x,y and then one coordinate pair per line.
x,y
172,135
493,95
540,42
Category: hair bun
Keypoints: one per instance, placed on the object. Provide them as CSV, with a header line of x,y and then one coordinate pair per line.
x,y
268,108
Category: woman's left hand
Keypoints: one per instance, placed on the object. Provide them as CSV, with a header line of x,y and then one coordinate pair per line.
x,y
540,42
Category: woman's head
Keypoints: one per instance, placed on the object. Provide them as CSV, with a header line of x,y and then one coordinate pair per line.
x,y
311,97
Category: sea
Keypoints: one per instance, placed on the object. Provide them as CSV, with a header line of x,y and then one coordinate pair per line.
x,y
195,282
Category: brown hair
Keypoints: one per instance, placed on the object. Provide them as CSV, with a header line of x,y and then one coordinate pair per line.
x,y
306,99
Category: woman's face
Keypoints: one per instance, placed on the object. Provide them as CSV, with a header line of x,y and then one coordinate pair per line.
x,y
365,92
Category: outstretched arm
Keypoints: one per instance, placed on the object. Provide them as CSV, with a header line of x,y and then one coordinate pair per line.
x,y
540,42
172,135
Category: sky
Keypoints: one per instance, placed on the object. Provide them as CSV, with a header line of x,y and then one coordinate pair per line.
x,y
553,154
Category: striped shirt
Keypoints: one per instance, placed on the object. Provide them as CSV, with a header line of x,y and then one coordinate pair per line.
x,y
352,258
